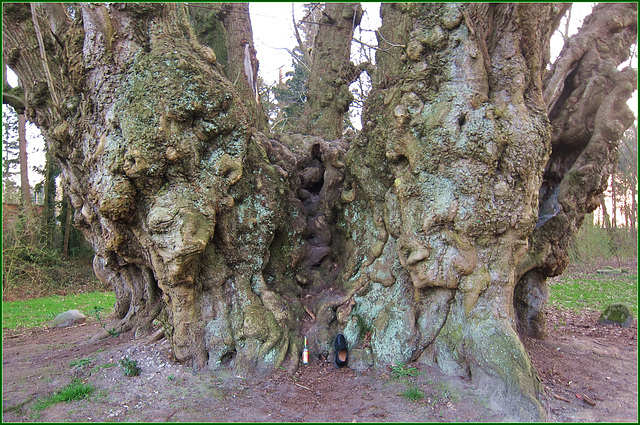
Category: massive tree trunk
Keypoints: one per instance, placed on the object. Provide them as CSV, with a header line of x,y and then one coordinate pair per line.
x,y
585,97
414,232
444,181
180,201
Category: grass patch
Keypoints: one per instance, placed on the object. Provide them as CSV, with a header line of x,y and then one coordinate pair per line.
x,y
594,292
18,409
401,370
81,362
101,366
39,311
413,394
76,390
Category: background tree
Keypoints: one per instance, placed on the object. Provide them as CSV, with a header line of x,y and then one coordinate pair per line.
x,y
13,97
415,230
627,176
291,95
10,156
25,187
331,71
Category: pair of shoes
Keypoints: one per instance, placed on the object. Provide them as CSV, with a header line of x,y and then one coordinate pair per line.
x,y
341,352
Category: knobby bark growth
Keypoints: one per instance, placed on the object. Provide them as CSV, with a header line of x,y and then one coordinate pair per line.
x,y
332,71
445,175
226,28
413,234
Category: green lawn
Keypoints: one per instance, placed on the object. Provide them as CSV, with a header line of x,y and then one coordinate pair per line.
x,y
591,292
41,311
595,292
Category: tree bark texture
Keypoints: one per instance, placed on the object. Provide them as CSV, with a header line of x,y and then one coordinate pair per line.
x,y
329,96
444,183
175,194
413,233
585,96
25,188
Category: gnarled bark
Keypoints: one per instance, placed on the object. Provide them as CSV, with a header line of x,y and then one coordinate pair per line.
x,y
415,231
446,174
585,96
175,193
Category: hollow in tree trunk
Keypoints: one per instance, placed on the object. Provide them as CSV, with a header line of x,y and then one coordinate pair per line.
x,y
417,231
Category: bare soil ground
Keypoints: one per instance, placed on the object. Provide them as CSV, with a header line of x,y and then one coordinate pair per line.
x,y
589,373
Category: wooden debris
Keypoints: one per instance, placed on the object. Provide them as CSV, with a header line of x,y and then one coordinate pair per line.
x,y
588,400
15,336
156,336
309,312
561,398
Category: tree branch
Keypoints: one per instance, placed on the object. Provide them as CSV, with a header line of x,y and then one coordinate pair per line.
x,y
43,55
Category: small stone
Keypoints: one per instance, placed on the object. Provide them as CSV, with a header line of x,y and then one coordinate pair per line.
x,y
68,318
616,314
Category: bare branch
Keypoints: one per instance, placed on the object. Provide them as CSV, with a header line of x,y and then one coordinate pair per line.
x,y
43,55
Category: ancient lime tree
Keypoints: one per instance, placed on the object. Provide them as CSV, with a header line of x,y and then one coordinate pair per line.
x,y
432,230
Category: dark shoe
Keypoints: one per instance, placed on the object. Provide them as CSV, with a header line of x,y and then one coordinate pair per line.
x,y
342,354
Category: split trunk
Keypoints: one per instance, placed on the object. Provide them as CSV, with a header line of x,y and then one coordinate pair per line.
x,y
411,234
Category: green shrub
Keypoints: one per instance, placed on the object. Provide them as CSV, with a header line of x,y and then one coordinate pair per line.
x,y
130,367
33,267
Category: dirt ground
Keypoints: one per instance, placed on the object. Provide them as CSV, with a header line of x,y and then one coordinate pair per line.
x,y
589,373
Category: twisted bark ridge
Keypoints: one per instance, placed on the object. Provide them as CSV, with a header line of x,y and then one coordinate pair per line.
x,y
585,96
413,233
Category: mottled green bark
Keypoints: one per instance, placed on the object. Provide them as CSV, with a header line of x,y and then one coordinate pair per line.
x,y
179,198
446,174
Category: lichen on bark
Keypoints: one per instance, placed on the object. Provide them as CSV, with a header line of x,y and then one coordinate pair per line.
x,y
460,146
414,232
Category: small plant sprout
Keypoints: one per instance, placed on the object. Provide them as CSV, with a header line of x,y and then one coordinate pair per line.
x,y
95,311
112,332
130,367
413,394
402,370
